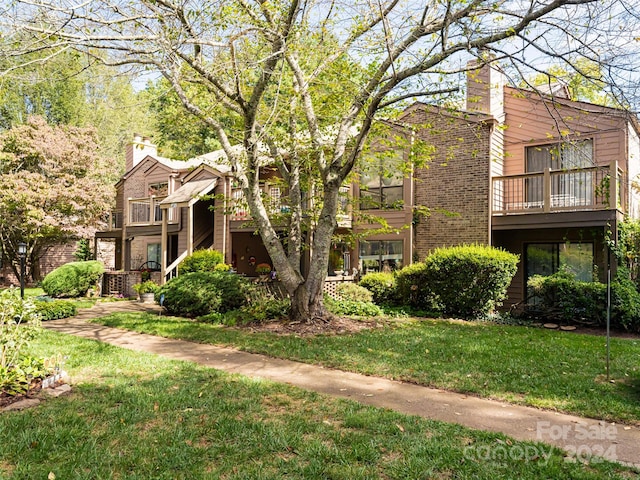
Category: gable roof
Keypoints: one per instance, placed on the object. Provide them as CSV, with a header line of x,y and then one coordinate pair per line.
x,y
189,193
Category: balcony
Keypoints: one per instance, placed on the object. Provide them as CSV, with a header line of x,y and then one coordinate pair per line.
x,y
556,191
146,211
276,203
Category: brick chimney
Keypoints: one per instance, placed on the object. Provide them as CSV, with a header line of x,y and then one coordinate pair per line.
x,y
138,149
485,88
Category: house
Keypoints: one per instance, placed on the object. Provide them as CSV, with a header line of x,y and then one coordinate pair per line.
x,y
167,209
539,175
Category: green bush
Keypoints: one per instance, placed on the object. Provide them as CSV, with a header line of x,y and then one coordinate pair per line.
x,y
200,293
352,307
260,311
201,261
412,287
564,298
73,279
382,286
19,324
15,379
353,292
148,286
625,304
469,281
55,309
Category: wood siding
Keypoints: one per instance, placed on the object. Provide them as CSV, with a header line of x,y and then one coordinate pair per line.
x,y
533,121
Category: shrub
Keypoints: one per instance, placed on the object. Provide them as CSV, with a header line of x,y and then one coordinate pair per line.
x,y
200,293
353,292
260,311
352,307
625,304
569,300
469,281
55,309
222,267
16,378
201,261
19,324
72,279
148,286
412,287
382,286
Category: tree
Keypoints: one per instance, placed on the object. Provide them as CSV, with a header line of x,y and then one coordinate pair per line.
x,y
73,89
55,188
299,84
584,83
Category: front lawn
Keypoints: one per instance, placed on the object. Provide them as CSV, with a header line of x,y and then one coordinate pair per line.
x,y
136,415
532,366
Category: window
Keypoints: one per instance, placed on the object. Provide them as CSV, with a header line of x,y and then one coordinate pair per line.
x,y
547,258
381,256
153,253
382,182
569,187
159,189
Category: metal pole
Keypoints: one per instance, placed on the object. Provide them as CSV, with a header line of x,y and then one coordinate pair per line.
x,y
22,276
608,307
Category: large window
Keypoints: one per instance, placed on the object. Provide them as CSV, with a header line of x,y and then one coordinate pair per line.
x,y
547,258
381,256
382,181
570,187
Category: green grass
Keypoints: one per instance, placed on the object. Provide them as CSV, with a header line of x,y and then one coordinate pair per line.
x,y
80,302
140,416
530,366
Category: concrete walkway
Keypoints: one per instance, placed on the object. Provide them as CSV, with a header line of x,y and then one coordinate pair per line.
x,y
579,436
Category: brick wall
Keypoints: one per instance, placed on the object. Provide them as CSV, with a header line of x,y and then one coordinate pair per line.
x,y
456,184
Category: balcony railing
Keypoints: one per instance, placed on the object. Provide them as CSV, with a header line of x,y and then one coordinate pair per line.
x,y
556,191
146,211
275,203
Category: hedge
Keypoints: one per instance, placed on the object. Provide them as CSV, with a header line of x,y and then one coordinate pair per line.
x,y
73,279
470,280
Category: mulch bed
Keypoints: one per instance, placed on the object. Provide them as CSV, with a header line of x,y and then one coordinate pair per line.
x,y
334,326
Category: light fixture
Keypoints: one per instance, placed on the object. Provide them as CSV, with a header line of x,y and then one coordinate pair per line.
x,y
22,253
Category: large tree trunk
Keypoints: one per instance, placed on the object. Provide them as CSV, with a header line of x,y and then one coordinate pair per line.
x,y
308,307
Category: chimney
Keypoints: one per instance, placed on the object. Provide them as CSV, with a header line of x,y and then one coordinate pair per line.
x,y
139,148
485,88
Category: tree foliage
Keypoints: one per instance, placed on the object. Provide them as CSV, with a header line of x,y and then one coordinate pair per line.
x,y
299,84
56,187
72,88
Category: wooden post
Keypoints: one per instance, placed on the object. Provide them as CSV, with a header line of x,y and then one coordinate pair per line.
x,y
613,186
163,247
546,191
189,229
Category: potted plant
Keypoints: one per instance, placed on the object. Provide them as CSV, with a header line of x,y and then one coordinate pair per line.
x,y
263,270
146,290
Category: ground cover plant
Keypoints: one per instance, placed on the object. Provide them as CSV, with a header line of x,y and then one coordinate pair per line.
x,y
532,366
135,415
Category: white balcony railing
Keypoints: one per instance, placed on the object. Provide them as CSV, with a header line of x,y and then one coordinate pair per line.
x,y
146,211
277,203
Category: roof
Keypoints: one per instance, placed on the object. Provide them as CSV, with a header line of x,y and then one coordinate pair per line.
x,y
189,193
